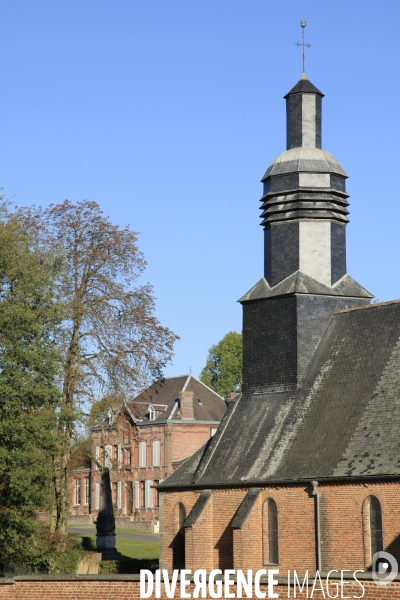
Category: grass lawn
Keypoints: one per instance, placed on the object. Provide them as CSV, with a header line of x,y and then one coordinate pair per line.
x,y
133,531
132,548
138,548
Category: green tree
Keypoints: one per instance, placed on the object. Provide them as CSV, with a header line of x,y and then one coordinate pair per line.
x,y
113,344
30,361
223,370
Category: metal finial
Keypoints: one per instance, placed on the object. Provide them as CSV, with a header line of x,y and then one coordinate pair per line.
x,y
190,370
303,25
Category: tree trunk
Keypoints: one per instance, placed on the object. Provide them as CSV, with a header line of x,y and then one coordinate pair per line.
x,y
61,470
62,493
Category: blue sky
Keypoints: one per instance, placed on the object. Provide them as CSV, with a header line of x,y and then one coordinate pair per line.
x,y
167,113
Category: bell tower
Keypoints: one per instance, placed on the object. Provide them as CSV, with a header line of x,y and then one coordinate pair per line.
x,y
304,217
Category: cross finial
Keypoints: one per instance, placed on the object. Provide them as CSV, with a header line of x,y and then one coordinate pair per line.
x,y
303,25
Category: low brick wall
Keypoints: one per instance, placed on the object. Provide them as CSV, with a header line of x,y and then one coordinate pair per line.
x,y
120,522
126,587
126,523
80,519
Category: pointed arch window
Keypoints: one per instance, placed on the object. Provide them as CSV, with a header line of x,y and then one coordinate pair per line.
x,y
375,524
373,529
178,544
270,532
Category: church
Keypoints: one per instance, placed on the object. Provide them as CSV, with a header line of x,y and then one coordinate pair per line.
x,y
304,470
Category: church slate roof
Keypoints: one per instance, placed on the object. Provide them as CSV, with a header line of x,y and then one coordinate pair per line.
x,y
304,86
304,160
300,283
341,422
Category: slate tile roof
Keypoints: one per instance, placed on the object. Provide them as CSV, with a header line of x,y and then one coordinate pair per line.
x,y
304,86
303,159
300,283
164,397
342,422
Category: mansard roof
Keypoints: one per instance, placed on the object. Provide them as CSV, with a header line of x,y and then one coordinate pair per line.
x,y
341,422
163,396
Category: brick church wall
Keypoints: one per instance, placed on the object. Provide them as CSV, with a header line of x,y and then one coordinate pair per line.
x,y
168,526
201,534
344,535
342,523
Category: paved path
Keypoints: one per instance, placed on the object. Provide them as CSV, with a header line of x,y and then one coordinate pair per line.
x,y
146,537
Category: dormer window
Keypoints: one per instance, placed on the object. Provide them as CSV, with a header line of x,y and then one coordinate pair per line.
x,y
152,413
111,417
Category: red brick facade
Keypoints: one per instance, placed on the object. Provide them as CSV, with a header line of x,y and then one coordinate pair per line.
x,y
80,491
147,456
345,528
144,444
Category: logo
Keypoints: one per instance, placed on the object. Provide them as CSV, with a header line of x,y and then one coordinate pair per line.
x,y
384,568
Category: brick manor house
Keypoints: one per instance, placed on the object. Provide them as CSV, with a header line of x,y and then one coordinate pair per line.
x,y
144,443
304,470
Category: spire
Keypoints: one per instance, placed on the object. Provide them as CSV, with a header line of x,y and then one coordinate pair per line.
x,y
303,45
303,115
304,203
304,216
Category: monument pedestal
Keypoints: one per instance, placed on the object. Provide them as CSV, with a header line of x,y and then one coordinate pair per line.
x,y
105,526
105,544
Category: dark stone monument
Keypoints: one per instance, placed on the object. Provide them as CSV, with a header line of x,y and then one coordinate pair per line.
x,y
105,526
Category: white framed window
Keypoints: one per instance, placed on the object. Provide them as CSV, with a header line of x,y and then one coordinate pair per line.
x,y
156,454
152,413
119,494
108,456
87,490
128,458
97,496
137,495
142,454
148,494
142,501
119,456
77,491
97,456
156,500
129,497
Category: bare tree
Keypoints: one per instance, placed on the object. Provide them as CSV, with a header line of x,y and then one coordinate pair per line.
x,y
112,341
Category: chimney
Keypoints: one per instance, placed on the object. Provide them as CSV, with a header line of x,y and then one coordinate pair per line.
x,y
186,405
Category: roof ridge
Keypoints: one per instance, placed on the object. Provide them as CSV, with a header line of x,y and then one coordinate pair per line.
x,y
365,306
206,386
155,382
186,383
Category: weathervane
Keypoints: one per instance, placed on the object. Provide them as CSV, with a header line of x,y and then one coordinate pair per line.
x,y
303,25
